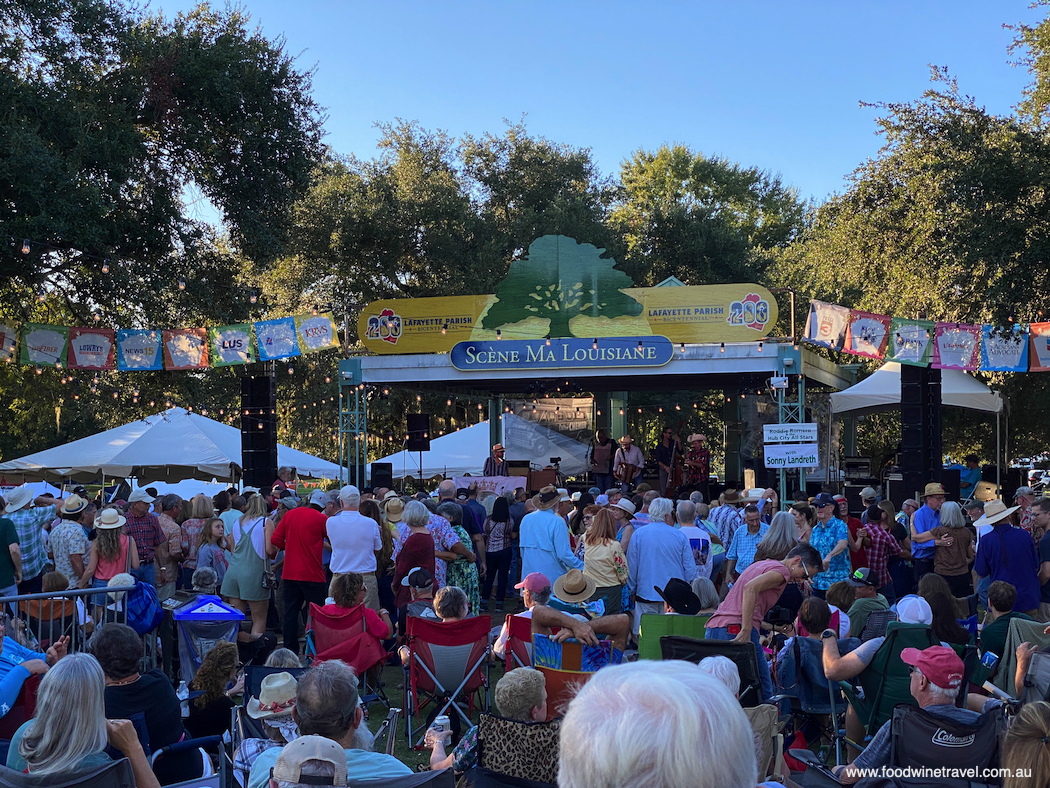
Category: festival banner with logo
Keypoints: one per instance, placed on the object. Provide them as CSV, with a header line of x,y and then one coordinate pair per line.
x,y
8,342
910,342
231,345
1004,351
91,348
1039,347
276,339
185,348
139,350
44,346
826,326
867,334
316,332
956,346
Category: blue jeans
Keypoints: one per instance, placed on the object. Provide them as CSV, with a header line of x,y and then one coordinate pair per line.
x,y
716,564
146,573
982,589
721,633
604,481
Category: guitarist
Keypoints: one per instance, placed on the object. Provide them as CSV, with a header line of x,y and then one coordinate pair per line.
x,y
698,465
668,450
628,463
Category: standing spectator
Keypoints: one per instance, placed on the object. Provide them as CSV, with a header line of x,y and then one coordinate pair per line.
x,y
167,571
858,537
954,550
233,514
201,509
604,561
745,543
545,538
285,479
468,520
301,534
831,539
384,556
907,513
900,565
1041,520
1023,498
112,552
416,551
1008,554
882,548
144,528
69,544
462,572
726,518
243,584
601,456
210,549
925,520
694,528
657,553
355,540
447,545
804,519
499,531
29,522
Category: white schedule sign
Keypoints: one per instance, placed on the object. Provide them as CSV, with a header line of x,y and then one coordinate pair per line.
x,y
789,433
801,455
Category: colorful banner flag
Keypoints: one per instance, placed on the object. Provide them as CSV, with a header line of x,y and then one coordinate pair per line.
x,y
867,334
185,348
956,346
8,342
91,348
910,341
826,325
1005,351
44,346
1039,347
231,345
316,332
139,350
276,339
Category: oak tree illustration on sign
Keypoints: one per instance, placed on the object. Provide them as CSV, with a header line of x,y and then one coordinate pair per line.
x,y
559,279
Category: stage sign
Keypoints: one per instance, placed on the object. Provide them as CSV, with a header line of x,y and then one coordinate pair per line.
x,y
789,433
495,484
563,290
485,356
799,455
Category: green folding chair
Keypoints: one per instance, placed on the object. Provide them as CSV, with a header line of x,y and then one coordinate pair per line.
x,y
654,626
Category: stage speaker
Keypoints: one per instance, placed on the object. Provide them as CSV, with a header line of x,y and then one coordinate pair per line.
x,y
418,432
259,430
518,468
951,482
382,474
854,503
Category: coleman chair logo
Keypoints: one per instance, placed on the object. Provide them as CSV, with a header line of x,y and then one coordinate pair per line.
x,y
943,738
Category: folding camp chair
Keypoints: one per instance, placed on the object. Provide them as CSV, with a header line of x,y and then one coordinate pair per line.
x,y
919,739
654,626
519,641
345,636
562,686
968,654
117,774
965,606
23,709
50,619
743,654
875,626
446,661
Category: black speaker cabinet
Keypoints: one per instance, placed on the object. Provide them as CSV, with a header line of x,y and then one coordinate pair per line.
x,y
382,474
259,430
950,480
418,432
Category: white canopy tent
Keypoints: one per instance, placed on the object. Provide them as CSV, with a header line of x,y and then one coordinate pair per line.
x,y
465,451
168,447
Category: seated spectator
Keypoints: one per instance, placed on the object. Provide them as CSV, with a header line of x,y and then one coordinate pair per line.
x,y
17,663
945,626
656,724
520,695
679,598
310,761
327,704
205,581
868,600
348,592
723,669
53,583
210,709
1026,757
1001,599
70,730
840,598
128,691
420,585
283,658
451,604
936,675
273,708
705,590
800,669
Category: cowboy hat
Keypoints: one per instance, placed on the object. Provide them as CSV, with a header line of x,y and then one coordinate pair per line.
x,y
276,697
680,596
574,586
109,519
390,494
394,508
696,436
497,447
547,498
625,504
934,488
74,504
994,511
18,498
754,495
731,496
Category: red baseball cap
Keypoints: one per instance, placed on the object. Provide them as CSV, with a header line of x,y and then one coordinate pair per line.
x,y
534,582
941,665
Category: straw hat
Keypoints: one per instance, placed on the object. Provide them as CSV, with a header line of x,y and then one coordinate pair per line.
x,y
696,436
547,498
74,504
754,495
394,508
934,488
18,498
625,504
994,511
276,697
574,586
109,519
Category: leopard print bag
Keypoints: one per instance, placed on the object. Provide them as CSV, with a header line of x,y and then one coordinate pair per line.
x,y
525,750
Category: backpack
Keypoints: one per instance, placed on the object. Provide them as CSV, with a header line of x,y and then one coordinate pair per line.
x,y
144,609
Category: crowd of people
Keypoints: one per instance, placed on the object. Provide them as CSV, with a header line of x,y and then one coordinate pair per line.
x,y
809,581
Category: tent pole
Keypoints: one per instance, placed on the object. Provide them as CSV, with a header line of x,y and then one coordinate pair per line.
x,y
998,454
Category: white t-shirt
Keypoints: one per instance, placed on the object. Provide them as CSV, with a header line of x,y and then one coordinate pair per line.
x,y
355,540
700,542
258,534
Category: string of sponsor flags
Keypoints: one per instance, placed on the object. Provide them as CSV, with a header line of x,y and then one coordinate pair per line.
x,y
142,349
1019,348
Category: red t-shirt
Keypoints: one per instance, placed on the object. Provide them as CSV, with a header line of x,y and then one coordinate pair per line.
x,y
859,559
301,535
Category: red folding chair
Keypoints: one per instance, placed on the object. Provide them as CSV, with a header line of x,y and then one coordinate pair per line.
x,y
447,661
345,636
519,641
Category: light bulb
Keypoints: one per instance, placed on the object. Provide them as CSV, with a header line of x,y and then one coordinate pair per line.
x,y
105,266
594,344
444,329
723,350
253,296
41,296
315,311
182,283
25,246
681,348
291,369
327,379
548,340
499,334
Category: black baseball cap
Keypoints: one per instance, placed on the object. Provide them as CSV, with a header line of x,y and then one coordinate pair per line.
x,y
862,577
418,578
824,500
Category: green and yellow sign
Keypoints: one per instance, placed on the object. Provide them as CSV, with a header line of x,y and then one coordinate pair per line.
x,y
565,289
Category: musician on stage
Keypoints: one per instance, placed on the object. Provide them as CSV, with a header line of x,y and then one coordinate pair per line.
x,y
668,452
630,457
698,465
495,465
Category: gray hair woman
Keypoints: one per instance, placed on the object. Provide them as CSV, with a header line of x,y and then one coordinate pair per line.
x,y
70,730
780,539
450,603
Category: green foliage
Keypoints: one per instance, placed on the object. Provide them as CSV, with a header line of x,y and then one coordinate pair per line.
x,y
558,280
1032,44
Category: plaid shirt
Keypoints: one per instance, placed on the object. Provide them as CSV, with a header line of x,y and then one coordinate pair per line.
x,y
29,523
883,545
146,532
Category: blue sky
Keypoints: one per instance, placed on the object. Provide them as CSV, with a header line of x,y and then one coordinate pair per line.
x,y
769,84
